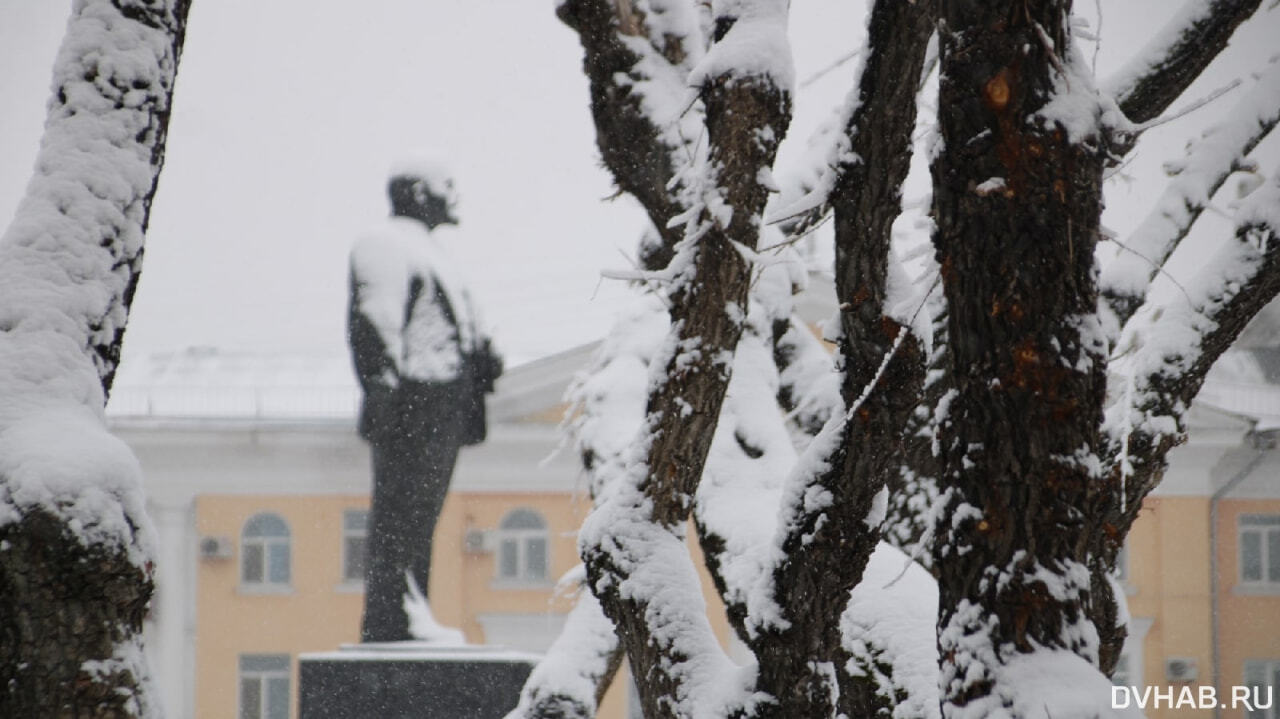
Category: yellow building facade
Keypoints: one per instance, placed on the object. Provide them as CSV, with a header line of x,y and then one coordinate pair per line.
x,y
261,529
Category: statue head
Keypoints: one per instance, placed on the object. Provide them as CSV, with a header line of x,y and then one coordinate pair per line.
x,y
423,190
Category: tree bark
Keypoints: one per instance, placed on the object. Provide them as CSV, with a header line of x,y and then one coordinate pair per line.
x,y
66,610
1020,447
641,157
746,117
827,546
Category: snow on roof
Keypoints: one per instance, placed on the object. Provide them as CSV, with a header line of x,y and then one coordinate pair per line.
x,y
206,383
211,383
1245,382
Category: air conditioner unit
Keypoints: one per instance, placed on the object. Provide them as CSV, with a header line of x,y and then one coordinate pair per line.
x,y
216,548
1180,669
478,541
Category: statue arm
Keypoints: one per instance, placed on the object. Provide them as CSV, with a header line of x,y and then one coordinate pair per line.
x,y
375,365
376,314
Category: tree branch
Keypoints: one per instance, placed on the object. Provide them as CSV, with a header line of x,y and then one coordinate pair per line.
x,y
637,89
1171,346
1149,83
76,573
571,679
750,455
1218,152
830,523
632,543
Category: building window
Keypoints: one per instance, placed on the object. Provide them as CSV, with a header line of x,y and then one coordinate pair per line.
x,y
1260,549
522,547
264,552
1263,679
264,686
355,538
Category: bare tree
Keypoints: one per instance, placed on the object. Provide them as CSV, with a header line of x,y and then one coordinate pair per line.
x,y
1007,414
75,545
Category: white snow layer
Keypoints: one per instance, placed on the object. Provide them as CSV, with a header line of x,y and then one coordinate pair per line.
x,y
888,627
383,262
427,167
422,621
575,662
1209,160
653,569
750,456
755,47
1052,684
1165,338
653,564
1156,51
1076,105
64,269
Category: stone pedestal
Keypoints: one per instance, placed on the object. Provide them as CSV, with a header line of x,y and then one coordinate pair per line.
x,y
411,679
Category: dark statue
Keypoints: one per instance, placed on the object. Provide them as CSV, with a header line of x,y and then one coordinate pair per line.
x,y
424,365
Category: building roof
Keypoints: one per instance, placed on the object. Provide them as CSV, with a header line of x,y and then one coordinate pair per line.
x,y
205,385
212,386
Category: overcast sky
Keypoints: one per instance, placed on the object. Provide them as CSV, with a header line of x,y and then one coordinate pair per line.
x,y
287,117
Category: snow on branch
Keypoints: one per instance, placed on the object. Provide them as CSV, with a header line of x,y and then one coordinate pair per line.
x,y
888,630
1159,73
637,57
572,678
72,517
1167,348
751,453
750,44
834,501
633,541
809,385
72,252
1219,151
879,100
646,580
70,260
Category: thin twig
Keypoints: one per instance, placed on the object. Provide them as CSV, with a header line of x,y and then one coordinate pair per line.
x,y
1158,268
792,240
1097,42
830,68
1053,55
1157,121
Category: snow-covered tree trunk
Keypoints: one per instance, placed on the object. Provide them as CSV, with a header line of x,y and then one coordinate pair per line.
x,y
832,512
75,544
1017,202
633,542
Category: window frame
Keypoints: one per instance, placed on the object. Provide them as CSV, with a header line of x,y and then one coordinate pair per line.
x,y
1263,525
264,544
1270,670
263,678
521,537
347,581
